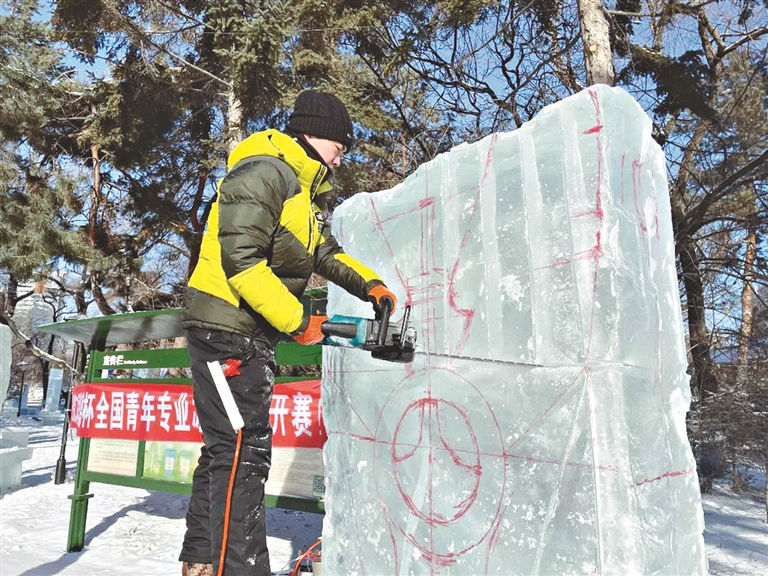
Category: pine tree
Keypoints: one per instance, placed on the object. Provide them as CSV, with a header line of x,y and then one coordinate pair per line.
x,y
39,206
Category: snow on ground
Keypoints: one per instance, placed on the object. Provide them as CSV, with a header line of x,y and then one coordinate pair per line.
x,y
129,531
735,532
132,532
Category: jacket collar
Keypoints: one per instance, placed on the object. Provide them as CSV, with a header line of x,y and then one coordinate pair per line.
x,y
310,173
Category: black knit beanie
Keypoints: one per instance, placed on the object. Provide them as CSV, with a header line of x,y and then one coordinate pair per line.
x,y
323,116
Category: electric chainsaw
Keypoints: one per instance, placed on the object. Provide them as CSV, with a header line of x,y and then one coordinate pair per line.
x,y
385,340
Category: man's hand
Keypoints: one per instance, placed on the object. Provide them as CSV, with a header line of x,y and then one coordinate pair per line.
x,y
309,332
378,294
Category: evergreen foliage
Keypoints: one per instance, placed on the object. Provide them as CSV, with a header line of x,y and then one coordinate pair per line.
x,y
118,115
38,204
682,82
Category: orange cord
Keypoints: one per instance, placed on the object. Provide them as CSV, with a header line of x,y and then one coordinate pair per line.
x,y
297,566
225,534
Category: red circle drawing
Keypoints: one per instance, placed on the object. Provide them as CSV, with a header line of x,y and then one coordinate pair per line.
x,y
460,486
427,412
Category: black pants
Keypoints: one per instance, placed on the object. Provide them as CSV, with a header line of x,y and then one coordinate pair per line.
x,y
246,552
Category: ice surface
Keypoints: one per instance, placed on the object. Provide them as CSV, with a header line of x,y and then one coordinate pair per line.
x,y
541,427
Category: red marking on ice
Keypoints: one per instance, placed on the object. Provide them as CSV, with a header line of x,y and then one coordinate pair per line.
x,y
356,436
538,419
637,183
380,228
389,522
428,201
595,212
596,252
488,158
427,410
467,313
396,216
493,540
587,352
623,157
468,465
593,253
566,464
637,186
330,379
685,472
599,191
600,167
596,104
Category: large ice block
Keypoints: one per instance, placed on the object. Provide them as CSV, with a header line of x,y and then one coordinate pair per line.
x,y
541,427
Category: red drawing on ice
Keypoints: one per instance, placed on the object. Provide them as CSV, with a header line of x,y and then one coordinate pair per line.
x,y
433,441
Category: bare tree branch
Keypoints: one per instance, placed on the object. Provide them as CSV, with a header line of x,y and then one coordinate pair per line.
x,y
722,188
6,319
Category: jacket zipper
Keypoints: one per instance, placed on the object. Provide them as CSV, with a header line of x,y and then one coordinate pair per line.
x,y
313,187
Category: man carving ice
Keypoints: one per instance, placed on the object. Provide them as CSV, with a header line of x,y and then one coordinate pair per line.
x,y
263,240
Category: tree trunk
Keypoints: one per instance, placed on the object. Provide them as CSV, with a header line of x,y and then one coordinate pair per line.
x,y
99,298
46,368
235,132
597,44
81,304
747,305
93,216
198,223
12,296
93,222
704,381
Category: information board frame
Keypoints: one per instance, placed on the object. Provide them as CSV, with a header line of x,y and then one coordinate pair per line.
x,y
107,365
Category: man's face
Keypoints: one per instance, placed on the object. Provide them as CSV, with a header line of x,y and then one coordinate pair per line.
x,y
330,151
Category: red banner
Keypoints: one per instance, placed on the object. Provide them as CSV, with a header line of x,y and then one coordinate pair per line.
x,y
166,413
296,415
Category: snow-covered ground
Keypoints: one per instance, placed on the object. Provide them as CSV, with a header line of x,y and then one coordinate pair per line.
x,y
133,532
735,531
129,531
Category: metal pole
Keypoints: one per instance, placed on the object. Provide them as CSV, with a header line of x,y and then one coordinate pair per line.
x,y
23,366
79,365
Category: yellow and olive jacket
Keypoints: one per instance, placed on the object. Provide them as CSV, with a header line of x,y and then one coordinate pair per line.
x,y
264,237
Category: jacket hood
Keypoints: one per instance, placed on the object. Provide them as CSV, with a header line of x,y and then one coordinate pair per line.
x,y
278,145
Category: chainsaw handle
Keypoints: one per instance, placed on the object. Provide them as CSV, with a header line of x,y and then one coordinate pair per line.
x,y
386,306
340,329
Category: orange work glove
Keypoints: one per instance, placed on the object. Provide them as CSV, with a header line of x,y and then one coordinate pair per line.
x,y
309,332
378,294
